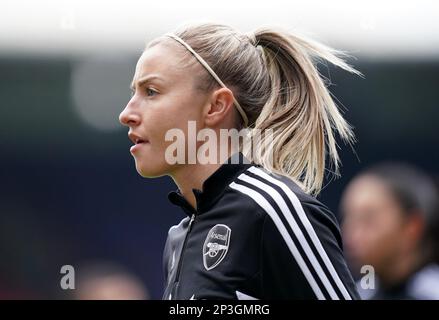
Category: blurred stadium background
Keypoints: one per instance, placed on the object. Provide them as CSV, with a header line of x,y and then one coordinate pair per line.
x,y
69,192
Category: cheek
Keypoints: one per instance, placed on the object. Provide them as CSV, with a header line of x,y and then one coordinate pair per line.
x,y
156,121
379,241
173,112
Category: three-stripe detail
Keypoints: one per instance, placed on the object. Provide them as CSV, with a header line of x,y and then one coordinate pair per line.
x,y
295,228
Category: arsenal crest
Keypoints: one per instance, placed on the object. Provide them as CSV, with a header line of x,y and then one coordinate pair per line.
x,y
216,246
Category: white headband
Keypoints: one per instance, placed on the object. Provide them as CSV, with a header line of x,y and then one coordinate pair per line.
x,y
208,68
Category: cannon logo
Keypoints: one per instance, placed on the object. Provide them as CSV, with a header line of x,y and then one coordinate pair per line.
x,y
216,246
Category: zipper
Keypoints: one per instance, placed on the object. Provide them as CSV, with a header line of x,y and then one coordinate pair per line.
x,y
180,261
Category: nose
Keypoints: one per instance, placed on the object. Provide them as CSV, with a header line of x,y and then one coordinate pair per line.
x,y
128,117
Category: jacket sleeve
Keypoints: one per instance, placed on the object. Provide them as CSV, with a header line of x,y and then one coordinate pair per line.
x,y
301,257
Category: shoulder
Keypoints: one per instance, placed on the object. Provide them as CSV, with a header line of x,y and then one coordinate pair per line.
x,y
425,283
256,179
299,234
277,195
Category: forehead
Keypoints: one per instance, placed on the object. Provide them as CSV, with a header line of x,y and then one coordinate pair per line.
x,y
162,60
366,191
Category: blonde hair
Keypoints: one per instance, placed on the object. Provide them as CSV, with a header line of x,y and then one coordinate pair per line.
x,y
273,76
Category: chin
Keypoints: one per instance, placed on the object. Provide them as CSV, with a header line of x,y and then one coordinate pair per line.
x,y
150,170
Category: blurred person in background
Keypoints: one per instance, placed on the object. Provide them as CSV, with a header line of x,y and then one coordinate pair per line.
x,y
108,281
390,214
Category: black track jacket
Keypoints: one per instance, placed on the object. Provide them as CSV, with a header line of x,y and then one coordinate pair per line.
x,y
254,235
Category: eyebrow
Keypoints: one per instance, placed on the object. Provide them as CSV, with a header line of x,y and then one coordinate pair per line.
x,y
144,80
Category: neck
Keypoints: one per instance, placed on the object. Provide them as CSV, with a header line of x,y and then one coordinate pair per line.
x,y
405,266
192,176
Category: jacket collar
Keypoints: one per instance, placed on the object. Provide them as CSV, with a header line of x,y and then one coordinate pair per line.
x,y
213,186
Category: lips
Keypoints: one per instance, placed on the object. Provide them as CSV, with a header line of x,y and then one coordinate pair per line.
x,y
137,140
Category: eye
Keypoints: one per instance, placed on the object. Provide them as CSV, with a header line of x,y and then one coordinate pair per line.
x,y
150,92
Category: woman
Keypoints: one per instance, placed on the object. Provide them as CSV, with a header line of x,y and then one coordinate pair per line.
x,y
253,228
390,222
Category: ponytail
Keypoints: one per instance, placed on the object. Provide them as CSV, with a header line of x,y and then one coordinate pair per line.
x,y
300,111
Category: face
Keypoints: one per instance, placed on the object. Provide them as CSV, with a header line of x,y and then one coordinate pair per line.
x,y
374,224
164,98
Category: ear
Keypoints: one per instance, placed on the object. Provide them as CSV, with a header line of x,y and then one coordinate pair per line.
x,y
220,108
415,227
